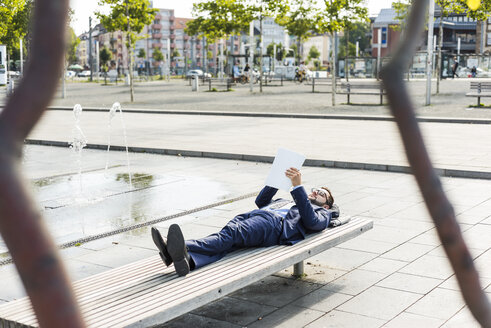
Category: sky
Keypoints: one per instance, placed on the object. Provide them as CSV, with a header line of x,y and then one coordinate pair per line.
x,y
182,8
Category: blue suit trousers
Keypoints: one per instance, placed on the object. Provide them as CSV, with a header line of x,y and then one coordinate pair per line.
x,y
256,228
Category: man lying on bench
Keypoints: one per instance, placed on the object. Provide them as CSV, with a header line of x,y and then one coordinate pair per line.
x,y
279,222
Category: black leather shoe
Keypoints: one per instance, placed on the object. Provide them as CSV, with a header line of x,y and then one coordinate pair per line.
x,y
162,246
177,250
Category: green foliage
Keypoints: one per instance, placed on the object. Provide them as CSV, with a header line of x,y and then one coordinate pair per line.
x,y
293,50
14,22
280,52
157,55
447,8
71,46
351,48
216,19
314,53
105,56
482,13
338,15
298,18
209,54
141,53
358,32
137,12
175,53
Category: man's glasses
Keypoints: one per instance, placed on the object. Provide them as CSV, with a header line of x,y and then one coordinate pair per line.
x,y
321,192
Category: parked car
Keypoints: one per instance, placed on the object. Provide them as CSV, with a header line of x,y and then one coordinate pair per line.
x,y
84,74
197,72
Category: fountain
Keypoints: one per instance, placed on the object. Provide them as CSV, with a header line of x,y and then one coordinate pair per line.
x,y
79,141
112,112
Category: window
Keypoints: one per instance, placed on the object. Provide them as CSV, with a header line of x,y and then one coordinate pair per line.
x,y
384,35
489,39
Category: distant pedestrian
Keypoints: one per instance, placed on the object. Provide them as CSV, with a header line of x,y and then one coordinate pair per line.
x,y
454,67
474,71
236,72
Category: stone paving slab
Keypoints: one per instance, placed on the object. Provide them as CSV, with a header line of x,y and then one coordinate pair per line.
x,y
459,147
393,281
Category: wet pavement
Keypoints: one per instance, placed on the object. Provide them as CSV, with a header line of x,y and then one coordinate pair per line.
x,y
395,275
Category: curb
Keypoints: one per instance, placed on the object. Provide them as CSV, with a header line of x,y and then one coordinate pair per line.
x,y
284,115
454,173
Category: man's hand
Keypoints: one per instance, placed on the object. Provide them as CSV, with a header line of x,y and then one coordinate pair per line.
x,y
294,175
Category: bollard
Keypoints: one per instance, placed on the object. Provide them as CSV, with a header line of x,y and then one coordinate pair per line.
x,y
10,87
194,83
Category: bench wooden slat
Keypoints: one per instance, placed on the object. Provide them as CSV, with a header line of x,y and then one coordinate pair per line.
x,y
483,90
145,292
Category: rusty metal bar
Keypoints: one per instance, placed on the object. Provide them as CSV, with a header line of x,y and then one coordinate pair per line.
x,y
21,225
429,183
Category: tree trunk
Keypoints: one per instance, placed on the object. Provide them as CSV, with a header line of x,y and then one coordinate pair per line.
x,y
346,35
130,68
130,54
333,69
261,54
439,61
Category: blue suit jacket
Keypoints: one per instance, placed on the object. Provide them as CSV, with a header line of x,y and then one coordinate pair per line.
x,y
302,218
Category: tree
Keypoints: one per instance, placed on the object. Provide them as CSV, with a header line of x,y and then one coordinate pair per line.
x,y
72,44
222,18
342,50
158,57
313,53
293,51
142,53
280,52
105,56
338,15
14,23
218,19
299,19
445,9
358,32
129,16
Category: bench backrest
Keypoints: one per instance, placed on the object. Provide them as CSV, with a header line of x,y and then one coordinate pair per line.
x,y
481,86
363,86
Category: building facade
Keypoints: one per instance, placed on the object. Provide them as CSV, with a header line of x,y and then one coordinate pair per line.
x,y
322,43
114,41
389,27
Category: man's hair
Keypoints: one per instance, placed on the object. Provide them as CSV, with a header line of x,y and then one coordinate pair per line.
x,y
330,199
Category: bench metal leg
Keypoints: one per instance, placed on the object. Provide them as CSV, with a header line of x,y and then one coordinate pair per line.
x,y
298,269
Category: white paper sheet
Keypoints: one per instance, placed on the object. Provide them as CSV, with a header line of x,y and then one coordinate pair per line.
x,y
284,160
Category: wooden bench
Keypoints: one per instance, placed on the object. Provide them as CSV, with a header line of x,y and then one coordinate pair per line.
x,y
145,293
358,88
226,82
273,81
482,89
318,81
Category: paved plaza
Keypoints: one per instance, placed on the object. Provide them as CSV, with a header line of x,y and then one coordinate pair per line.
x,y
395,275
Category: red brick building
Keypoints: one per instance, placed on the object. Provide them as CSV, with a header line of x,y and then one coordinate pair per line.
x,y
390,31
